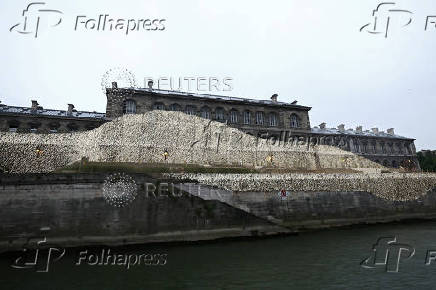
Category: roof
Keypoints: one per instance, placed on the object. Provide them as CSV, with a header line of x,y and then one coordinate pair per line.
x,y
215,97
4,109
351,132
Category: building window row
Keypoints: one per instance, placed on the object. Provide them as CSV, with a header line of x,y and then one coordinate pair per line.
x,y
220,115
50,128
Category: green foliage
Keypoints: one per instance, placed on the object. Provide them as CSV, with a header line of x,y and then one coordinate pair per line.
x,y
427,160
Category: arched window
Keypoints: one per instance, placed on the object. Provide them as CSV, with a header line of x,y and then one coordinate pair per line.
x,y
247,117
129,107
273,119
159,106
175,107
233,116
219,114
259,118
205,112
295,121
190,110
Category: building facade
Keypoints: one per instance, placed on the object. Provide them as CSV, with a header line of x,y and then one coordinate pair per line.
x,y
264,118
36,119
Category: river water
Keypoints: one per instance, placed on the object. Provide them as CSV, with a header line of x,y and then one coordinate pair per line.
x,y
328,259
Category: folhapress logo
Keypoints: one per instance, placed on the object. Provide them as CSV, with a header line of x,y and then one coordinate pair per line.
x,y
388,253
35,15
40,258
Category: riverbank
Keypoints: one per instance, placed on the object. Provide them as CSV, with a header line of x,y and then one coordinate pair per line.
x,y
70,210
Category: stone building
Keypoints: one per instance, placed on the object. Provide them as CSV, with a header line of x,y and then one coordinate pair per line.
x,y
36,119
280,121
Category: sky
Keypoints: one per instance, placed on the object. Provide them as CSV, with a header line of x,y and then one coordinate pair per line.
x,y
312,51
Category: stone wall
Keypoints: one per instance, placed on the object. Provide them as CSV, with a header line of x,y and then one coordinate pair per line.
x,y
70,211
389,186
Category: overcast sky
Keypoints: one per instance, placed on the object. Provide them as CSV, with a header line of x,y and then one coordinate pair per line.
x,y
311,51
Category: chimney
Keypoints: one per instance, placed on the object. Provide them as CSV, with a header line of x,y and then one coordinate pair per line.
x,y
34,105
390,131
322,125
375,130
114,85
341,127
359,129
150,84
274,98
70,109
294,102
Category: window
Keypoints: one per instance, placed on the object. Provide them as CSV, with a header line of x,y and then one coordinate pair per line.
x,y
272,119
219,112
391,148
365,147
190,110
72,127
33,127
247,117
233,116
53,127
383,148
158,106
129,107
205,112
259,118
295,121
175,107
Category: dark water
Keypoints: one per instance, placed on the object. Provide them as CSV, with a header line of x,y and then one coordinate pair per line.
x,y
317,260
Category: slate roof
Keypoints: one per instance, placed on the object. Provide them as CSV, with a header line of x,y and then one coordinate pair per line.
x,y
215,97
351,132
